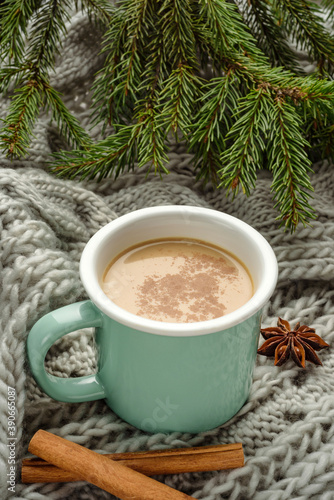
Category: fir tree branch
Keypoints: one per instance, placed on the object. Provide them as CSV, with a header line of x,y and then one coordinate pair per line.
x,y
212,123
304,24
228,33
155,68
106,107
318,91
12,75
150,85
270,36
102,10
178,35
179,94
290,166
68,125
147,138
328,6
325,138
219,102
48,24
137,32
14,17
113,154
151,142
241,160
318,118
152,148
316,112
116,84
117,152
23,112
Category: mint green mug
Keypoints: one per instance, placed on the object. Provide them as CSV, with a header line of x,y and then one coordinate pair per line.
x,y
158,376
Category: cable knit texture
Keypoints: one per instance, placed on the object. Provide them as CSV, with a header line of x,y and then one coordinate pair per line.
x,y
287,425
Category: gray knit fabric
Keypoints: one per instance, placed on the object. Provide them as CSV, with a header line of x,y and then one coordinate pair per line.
x,y
287,425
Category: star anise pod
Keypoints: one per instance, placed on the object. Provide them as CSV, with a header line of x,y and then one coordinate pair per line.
x,y
300,343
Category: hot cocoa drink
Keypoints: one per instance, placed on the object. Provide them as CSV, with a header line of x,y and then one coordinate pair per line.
x,y
179,281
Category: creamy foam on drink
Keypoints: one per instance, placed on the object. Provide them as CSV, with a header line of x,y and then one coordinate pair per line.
x,y
179,281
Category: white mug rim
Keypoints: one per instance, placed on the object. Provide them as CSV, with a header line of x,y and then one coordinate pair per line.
x,y
92,286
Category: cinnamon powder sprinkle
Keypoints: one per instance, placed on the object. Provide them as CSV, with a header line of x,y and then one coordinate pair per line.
x,y
178,281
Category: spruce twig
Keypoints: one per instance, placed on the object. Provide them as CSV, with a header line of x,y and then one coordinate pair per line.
x,y
98,10
225,82
270,34
212,123
21,118
328,6
68,125
114,152
14,16
301,18
241,160
44,41
290,166
48,24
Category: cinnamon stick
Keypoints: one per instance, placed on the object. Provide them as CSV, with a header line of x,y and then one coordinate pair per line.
x,y
150,463
109,475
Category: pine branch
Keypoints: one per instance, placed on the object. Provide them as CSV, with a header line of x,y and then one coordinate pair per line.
x,y
107,107
241,160
151,143
317,115
152,149
290,166
325,138
212,123
304,24
12,75
23,112
179,94
137,31
195,68
98,10
112,154
328,6
318,91
14,17
180,89
68,125
116,84
155,68
48,25
178,35
227,32
219,101
270,36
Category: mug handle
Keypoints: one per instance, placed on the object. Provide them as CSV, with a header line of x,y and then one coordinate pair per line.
x,y
44,333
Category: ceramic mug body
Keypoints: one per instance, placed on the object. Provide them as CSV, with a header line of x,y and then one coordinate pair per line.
x,y
159,376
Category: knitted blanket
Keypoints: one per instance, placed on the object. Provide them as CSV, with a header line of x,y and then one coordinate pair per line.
x,y
287,425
